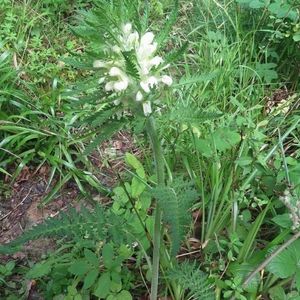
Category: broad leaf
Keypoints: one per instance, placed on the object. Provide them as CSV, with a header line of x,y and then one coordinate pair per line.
x,y
108,254
286,263
79,267
103,285
90,279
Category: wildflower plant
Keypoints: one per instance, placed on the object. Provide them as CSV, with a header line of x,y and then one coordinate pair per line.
x,y
127,74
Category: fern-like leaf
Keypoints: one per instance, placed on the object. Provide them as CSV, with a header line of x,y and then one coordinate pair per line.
x,y
107,131
190,114
165,32
175,203
69,224
194,281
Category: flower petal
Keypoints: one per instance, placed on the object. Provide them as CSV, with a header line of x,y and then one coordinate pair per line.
x,y
167,80
109,86
155,61
147,108
127,28
114,71
139,96
147,38
144,85
120,85
152,81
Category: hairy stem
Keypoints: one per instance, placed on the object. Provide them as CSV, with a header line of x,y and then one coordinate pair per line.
x,y
160,173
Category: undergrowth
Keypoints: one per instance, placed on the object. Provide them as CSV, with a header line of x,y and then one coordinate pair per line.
x,y
208,207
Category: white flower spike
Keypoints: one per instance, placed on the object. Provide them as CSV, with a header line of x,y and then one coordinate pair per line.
x,y
147,65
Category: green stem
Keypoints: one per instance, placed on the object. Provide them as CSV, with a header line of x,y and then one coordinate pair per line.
x,y
160,173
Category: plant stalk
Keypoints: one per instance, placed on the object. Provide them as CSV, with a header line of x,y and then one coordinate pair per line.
x,y
268,259
160,173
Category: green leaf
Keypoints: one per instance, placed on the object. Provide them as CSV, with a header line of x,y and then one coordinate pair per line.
x,y
106,132
103,285
10,266
283,221
204,147
79,267
285,264
175,54
91,257
244,161
187,80
296,37
297,278
124,295
39,270
130,65
132,161
225,139
90,279
165,31
266,72
175,202
116,282
256,4
277,293
137,187
108,255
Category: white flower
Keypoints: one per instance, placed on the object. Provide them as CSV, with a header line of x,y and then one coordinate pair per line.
x,y
146,62
147,38
152,81
147,108
144,85
139,96
167,80
109,86
127,28
115,71
99,64
132,40
120,86
155,61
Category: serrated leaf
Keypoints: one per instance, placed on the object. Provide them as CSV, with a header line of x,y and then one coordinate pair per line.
x,y
79,267
124,295
177,53
90,279
165,31
39,270
283,220
277,293
108,255
130,65
285,264
91,257
137,187
107,131
204,147
103,286
225,139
